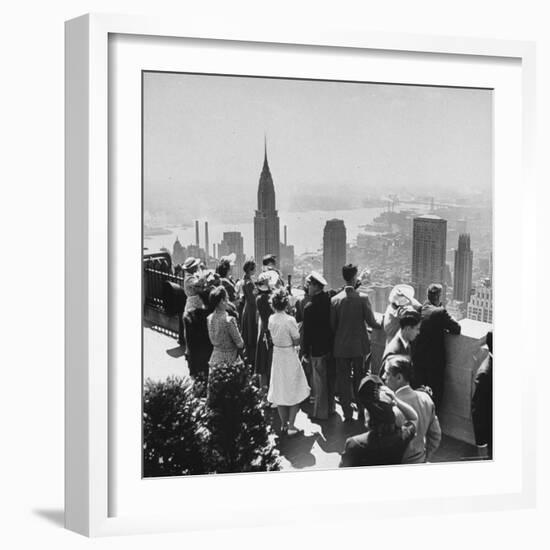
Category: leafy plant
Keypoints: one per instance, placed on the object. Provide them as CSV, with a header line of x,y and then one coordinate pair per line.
x,y
240,438
175,440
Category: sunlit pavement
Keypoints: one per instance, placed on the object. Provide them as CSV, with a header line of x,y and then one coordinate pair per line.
x,y
317,446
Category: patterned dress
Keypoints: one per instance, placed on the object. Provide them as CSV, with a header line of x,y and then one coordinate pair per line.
x,y
225,337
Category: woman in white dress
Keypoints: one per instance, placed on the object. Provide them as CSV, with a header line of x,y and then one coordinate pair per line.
x,y
288,385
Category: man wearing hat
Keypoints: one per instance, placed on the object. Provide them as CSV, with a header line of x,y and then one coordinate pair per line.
x,y
429,358
192,284
317,344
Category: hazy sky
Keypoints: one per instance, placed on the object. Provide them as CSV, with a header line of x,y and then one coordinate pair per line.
x,y
204,139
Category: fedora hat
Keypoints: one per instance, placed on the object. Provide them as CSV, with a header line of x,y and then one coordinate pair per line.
x,y
190,263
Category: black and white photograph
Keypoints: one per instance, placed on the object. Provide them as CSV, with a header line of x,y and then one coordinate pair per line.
x,y
317,274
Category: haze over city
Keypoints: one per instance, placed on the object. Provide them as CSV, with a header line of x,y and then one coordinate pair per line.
x,y
331,144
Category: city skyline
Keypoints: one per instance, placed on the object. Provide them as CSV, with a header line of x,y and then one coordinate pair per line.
x,y
371,156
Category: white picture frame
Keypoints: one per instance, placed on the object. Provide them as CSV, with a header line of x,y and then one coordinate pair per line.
x,y
92,216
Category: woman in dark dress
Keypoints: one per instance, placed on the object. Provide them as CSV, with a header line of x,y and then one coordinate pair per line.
x,y
199,347
249,322
264,347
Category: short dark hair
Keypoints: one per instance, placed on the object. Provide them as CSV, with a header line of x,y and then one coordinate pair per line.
x,y
223,268
434,290
217,294
409,317
399,364
249,265
279,299
349,271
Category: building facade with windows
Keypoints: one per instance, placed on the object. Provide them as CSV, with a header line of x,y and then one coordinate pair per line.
x,y
334,252
429,254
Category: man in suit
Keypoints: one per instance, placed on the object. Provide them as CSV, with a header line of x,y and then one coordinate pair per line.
x,y
397,376
316,343
409,328
428,355
350,315
482,404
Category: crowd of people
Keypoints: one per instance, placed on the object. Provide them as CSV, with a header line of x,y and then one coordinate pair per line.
x,y
315,347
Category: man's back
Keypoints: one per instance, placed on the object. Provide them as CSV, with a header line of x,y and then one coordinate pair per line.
x,y
350,314
436,322
428,430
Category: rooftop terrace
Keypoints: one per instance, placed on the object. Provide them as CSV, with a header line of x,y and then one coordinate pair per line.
x,y
321,443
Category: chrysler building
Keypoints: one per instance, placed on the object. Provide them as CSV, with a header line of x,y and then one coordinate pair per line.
x,y
266,220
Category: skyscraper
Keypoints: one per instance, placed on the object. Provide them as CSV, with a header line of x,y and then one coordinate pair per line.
x,y
428,254
480,306
266,220
334,252
206,240
287,256
233,242
463,269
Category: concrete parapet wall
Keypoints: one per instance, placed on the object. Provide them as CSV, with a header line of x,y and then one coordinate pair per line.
x,y
464,355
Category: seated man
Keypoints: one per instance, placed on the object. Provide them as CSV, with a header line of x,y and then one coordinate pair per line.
x,y
397,375
383,443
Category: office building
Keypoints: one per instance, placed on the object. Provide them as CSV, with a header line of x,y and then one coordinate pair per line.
x,y
334,252
480,306
428,254
464,257
233,243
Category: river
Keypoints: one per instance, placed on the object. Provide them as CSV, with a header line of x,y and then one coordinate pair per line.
x,y
305,230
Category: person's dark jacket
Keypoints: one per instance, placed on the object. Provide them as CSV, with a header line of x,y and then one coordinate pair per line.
x,y
371,449
428,351
316,330
198,345
482,404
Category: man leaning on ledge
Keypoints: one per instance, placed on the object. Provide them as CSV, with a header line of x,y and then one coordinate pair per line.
x,y
428,352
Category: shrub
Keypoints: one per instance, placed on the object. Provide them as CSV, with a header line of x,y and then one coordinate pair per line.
x,y
174,438
240,438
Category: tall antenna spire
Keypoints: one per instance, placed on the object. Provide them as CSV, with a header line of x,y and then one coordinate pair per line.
x,y
265,148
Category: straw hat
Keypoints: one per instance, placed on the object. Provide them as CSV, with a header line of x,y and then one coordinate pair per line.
x,y
402,295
